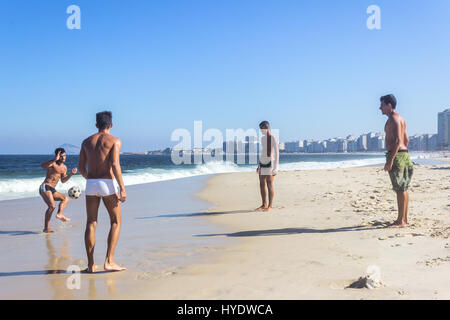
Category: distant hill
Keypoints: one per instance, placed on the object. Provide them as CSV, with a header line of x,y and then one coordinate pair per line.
x,y
70,148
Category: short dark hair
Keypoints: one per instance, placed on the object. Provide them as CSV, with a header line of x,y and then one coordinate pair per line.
x,y
264,125
389,98
104,119
59,150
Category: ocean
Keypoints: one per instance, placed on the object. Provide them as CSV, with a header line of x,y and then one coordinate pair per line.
x,y
21,175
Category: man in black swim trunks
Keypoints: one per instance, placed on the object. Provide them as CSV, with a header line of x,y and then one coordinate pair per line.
x,y
268,166
55,170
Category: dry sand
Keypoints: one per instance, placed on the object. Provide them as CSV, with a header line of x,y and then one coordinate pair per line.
x,y
327,228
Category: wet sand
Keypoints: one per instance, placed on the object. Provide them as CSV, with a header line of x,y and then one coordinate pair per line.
x,y
158,223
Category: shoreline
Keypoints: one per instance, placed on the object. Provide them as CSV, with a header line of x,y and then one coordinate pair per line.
x,y
25,187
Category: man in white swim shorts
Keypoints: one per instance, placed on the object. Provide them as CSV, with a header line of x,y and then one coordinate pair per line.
x,y
100,153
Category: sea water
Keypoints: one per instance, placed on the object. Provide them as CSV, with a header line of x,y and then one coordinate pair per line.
x,y
21,175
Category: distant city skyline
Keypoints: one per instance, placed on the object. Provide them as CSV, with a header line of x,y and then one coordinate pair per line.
x,y
375,141
371,141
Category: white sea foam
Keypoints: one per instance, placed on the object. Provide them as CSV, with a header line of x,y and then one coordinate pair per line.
x,y
23,188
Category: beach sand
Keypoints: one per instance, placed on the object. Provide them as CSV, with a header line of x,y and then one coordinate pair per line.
x,y
326,230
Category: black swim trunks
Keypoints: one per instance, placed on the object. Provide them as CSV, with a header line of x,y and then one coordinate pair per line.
x,y
46,187
265,165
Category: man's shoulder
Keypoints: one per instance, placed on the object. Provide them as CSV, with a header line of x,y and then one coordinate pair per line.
x,y
397,117
87,140
116,139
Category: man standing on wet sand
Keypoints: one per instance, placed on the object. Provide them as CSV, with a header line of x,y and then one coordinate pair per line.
x,y
56,170
398,162
268,165
100,152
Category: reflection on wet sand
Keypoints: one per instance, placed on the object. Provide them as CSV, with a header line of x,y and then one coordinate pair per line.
x,y
111,285
58,261
92,289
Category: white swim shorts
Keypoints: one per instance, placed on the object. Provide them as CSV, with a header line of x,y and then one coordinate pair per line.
x,y
101,187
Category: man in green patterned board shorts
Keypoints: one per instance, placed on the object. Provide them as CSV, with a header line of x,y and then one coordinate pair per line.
x,y
402,171
398,162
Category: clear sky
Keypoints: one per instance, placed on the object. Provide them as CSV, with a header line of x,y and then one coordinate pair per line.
x,y
312,68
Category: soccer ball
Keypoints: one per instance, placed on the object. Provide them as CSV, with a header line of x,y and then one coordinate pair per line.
x,y
74,192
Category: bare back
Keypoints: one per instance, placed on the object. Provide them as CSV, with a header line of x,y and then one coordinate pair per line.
x,y
395,129
99,151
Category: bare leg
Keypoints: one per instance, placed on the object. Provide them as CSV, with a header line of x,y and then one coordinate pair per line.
x,y
48,198
113,205
400,222
62,205
92,204
269,182
263,191
406,206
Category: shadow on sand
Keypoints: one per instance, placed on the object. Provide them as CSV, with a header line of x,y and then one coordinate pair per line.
x,y
287,231
18,233
196,214
441,168
46,272
31,273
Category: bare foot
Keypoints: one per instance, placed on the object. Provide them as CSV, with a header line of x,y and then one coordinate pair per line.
x,y
91,269
397,224
62,217
48,230
263,207
113,267
268,208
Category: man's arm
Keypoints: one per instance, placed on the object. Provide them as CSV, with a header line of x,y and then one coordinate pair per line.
x,y
117,170
276,156
66,177
395,131
50,163
82,162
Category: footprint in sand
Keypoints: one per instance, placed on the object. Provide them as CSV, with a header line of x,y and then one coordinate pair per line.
x,y
434,262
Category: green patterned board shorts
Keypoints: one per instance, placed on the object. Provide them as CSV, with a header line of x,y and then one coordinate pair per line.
x,y
402,171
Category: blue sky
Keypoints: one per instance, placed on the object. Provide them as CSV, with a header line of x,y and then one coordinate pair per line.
x,y
312,68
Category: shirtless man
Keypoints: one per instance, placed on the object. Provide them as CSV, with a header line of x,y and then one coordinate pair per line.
x,y
398,162
100,152
55,170
268,165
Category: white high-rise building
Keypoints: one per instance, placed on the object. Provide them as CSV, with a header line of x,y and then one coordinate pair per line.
x,y
362,143
443,129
